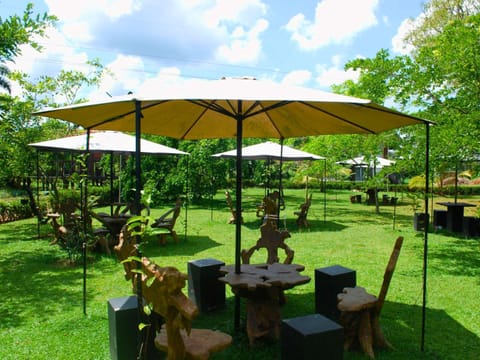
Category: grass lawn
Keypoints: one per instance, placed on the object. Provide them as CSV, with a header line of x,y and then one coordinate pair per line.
x,y
41,295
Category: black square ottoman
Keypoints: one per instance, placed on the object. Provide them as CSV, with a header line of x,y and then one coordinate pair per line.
x,y
311,337
204,288
330,281
439,219
123,322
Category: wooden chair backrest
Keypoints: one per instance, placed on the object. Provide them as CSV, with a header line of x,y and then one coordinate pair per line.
x,y
306,205
270,206
271,239
228,198
176,212
387,277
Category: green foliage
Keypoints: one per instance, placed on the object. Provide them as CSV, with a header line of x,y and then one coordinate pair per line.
x,y
23,30
39,288
14,210
438,81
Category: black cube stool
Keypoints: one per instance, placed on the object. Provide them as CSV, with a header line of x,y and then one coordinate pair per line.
x,y
204,288
330,281
123,327
439,219
311,337
470,226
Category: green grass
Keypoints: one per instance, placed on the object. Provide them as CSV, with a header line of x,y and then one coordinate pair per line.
x,y
41,295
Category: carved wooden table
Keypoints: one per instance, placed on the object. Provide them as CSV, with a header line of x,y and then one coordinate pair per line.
x,y
263,285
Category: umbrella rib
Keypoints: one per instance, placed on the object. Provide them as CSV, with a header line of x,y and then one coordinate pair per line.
x,y
265,110
340,118
207,106
127,113
212,105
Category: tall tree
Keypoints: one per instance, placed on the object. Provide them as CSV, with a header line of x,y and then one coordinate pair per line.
x,y
438,80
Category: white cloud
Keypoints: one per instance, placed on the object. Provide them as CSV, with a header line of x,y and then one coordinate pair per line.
x,y
297,77
239,11
69,11
336,21
334,74
398,41
128,75
244,47
57,55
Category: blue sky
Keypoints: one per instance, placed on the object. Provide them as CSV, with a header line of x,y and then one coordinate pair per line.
x,y
150,42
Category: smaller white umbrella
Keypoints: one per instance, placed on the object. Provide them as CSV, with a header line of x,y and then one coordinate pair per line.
x,y
378,162
270,151
106,141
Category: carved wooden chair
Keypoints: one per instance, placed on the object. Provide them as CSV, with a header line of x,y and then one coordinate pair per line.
x,y
162,289
303,212
167,222
233,217
360,311
271,239
260,319
268,209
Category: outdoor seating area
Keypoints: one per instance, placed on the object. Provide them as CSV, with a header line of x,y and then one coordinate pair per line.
x,y
211,179
275,285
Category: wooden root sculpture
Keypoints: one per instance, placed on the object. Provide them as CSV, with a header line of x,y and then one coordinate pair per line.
x,y
162,289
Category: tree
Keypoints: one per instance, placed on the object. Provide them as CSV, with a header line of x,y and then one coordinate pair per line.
x,y
22,30
18,127
439,80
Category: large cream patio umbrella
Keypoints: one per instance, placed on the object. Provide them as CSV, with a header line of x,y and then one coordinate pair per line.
x,y
235,108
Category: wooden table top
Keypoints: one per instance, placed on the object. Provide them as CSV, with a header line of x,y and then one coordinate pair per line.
x,y
355,299
251,277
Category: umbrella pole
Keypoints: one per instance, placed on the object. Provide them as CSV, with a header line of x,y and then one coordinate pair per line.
x,y
111,184
136,210
238,222
280,190
325,191
425,243
38,196
84,216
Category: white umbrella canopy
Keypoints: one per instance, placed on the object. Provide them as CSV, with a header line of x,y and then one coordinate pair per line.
x,y
378,162
270,151
106,141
